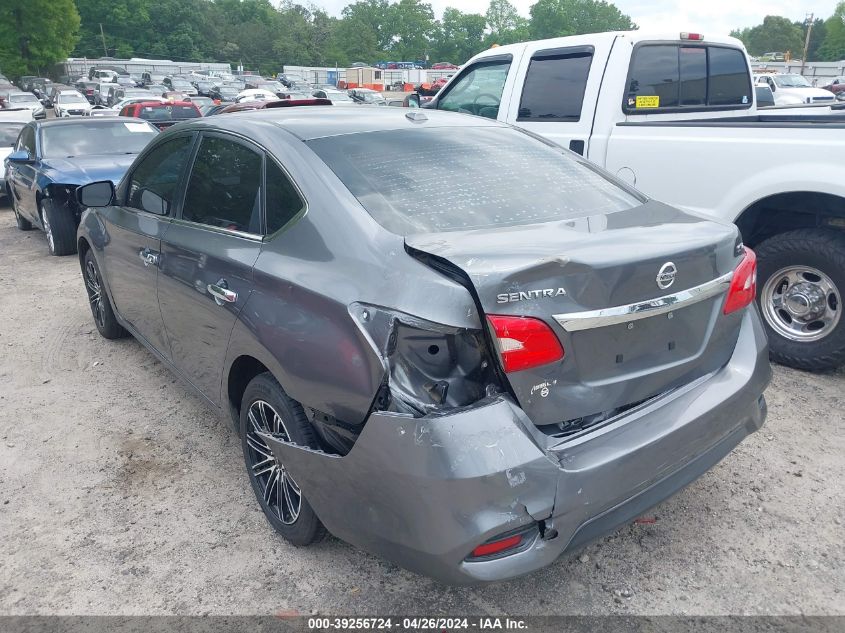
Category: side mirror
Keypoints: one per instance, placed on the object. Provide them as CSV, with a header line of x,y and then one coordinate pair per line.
x,y
96,194
153,203
20,156
412,100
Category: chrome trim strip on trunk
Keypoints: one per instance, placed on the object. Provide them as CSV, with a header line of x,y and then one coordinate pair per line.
x,y
577,321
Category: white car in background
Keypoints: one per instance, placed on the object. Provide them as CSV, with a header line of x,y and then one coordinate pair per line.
x,y
11,124
337,97
256,94
71,103
25,100
794,89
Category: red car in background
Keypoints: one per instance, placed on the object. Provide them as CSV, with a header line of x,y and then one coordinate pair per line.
x,y
836,86
162,115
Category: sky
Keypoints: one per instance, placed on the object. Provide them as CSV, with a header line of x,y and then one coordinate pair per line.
x,y
708,16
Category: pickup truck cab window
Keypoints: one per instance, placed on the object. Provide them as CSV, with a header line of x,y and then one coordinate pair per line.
x,y
224,188
666,77
478,90
555,84
154,182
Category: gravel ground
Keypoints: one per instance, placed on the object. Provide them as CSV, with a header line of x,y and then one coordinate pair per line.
x,y
122,493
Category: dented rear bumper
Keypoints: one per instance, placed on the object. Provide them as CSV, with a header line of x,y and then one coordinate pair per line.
x,y
423,492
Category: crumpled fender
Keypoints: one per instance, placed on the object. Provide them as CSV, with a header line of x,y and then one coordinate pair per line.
x,y
425,491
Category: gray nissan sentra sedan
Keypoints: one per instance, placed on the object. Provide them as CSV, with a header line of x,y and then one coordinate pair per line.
x,y
441,339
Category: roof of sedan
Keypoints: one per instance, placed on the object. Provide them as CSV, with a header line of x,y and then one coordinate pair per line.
x,y
308,122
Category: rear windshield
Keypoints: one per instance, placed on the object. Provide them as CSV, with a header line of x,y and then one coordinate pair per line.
x,y
23,99
454,179
168,113
81,139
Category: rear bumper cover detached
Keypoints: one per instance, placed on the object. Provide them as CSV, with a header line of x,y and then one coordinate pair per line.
x,y
423,492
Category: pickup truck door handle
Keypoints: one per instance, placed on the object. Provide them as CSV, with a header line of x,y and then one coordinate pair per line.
x,y
221,293
150,258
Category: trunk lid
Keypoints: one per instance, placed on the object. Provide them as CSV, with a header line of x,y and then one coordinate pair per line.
x,y
595,263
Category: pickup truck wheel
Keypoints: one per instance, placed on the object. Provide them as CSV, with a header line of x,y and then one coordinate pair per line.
x,y
59,227
267,408
22,223
800,289
98,299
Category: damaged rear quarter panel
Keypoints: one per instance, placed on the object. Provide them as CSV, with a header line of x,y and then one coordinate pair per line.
x,y
421,491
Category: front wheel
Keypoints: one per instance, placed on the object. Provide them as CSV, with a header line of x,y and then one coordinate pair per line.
x,y
266,408
59,227
98,299
800,290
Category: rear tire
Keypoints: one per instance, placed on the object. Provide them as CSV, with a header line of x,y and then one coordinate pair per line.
x,y
799,271
266,406
22,223
60,228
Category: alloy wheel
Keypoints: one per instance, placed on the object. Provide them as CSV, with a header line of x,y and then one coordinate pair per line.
x,y
279,491
801,303
95,294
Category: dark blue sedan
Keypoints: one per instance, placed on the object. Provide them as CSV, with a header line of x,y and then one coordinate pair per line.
x,y
52,158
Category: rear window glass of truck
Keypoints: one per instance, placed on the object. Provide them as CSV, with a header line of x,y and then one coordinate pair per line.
x,y
671,76
457,179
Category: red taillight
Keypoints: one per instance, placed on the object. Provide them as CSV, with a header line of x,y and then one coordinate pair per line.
x,y
524,342
695,37
495,547
744,283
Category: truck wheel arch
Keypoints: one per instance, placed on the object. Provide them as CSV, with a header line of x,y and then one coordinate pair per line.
x,y
788,211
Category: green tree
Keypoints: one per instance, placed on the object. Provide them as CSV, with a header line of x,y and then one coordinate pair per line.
x,y
556,18
775,34
413,27
458,36
505,24
34,34
833,47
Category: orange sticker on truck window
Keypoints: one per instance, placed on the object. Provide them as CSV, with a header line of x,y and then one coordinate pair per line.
x,y
648,102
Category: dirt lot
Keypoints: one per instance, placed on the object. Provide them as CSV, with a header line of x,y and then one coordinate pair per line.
x,y
121,493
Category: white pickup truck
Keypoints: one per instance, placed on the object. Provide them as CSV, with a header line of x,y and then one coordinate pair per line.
x,y
675,115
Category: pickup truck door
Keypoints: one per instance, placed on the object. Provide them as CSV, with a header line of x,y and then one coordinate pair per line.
x,y
556,90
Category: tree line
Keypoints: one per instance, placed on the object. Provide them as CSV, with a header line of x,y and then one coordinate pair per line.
x,y
779,34
264,35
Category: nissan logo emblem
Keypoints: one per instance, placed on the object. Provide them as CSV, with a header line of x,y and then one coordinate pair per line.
x,y
666,275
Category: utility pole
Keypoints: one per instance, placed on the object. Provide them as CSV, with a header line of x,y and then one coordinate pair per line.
x,y
809,23
103,35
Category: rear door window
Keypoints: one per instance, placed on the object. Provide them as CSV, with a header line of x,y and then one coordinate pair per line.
x,y
555,85
478,90
283,201
677,77
224,189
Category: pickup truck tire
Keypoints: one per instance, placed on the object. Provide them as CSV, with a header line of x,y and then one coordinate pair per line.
x,y
267,407
800,286
101,308
22,223
59,227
